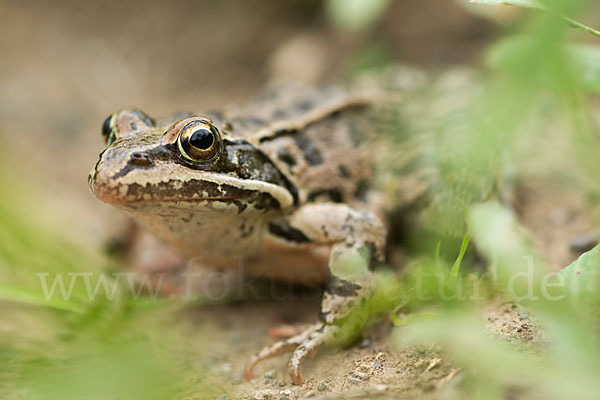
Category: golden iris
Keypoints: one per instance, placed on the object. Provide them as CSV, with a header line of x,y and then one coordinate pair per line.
x,y
199,141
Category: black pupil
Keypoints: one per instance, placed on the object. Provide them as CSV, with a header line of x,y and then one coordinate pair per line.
x,y
202,139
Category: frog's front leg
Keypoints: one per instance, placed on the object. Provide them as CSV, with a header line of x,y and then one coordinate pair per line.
x,y
357,238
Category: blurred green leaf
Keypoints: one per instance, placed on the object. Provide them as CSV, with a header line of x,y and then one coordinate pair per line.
x,y
506,245
582,277
354,15
123,369
587,61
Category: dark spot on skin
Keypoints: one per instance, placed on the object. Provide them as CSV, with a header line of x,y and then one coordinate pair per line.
x,y
289,233
323,315
344,173
133,126
324,229
333,195
356,134
343,288
137,159
371,247
278,134
309,149
241,206
246,231
144,118
287,157
124,171
362,188
304,105
280,113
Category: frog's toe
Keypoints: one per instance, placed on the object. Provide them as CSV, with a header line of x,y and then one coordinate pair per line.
x,y
308,348
301,344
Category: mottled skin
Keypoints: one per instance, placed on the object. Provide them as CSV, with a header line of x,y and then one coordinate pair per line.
x,y
288,193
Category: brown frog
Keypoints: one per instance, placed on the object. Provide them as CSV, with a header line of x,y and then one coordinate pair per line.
x,y
282,183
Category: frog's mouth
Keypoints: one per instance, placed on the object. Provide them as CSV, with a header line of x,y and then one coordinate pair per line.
x,y
145,186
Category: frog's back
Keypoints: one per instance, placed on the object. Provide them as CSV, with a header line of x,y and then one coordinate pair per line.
x,y
319,138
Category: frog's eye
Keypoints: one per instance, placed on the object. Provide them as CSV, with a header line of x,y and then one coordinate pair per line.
x,y
108,129
199,141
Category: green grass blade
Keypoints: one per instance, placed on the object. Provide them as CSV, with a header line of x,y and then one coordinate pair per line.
x,y
463,249
34,297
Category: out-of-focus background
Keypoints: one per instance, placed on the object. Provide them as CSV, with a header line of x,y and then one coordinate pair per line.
x,y
503,124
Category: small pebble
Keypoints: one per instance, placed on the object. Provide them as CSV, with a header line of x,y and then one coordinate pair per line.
x,y
286,392
583,243
523,315
270,374
354,379
433,363
309,394
322,386
380,388
361,375
264,394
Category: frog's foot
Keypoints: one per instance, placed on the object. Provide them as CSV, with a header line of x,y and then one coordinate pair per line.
x,y
309,347
357,239
302,345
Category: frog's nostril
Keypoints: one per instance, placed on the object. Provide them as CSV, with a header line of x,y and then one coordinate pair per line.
x,y
140,158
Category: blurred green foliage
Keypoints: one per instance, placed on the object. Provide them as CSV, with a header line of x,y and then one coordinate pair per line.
x,y
355,15
80,347
477,135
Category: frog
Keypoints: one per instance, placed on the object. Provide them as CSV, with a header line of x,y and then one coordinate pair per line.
x,y
283,183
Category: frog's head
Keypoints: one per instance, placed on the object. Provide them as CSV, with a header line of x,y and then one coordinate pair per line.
x,y
184,162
